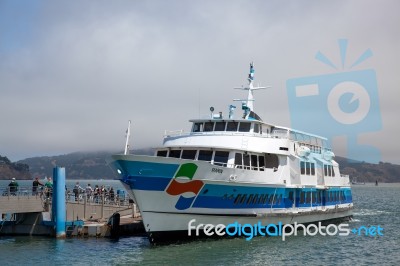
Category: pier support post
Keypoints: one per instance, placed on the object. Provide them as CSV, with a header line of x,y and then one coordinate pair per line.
x,y
58,208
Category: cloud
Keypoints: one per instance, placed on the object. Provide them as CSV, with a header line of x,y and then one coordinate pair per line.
x,y
74,73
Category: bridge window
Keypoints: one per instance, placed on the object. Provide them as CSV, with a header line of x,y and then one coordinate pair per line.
x,y
162,153
244,127
219,126
256,128
175,153
208,126
205,155
231,126
221,158
197,127
312,168
189,154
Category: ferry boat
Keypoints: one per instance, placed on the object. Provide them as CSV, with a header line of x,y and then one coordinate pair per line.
x,y
227,169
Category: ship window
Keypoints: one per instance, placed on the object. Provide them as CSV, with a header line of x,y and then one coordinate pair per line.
x,y
189,154
271,200
254,165
221,158
256,128
197,127
231,126
302,168
239,160
333,172
291,196
325,170
250,199
205,155
301,197
279,199
244,127
208,126
261,199
265,199
307,197
312,168
175,153
243,199
272,161
162,153
246,161
261,162
219,126
237,199
255,199
307,168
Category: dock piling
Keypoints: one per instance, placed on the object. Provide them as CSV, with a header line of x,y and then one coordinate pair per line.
x,y
58,208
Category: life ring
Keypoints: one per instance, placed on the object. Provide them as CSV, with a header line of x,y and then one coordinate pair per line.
x,y
232,178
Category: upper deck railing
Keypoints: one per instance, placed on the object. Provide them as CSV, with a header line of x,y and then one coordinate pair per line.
x,y
182,133
315,145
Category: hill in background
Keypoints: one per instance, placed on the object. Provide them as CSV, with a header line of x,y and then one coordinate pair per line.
x,y
9,169
92,165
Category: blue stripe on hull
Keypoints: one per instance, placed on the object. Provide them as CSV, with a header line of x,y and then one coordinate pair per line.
x,y
148,169
146,183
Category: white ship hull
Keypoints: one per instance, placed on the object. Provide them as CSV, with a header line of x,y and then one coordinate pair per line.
x,y
210,200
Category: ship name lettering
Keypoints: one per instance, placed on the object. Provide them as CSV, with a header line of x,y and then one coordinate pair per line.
x,y
216,170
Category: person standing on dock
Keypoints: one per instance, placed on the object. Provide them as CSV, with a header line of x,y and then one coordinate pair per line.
x,y
13,187
35,185
48,187
89,192
77,189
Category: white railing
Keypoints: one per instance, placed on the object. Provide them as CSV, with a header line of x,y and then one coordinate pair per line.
x,y
181,133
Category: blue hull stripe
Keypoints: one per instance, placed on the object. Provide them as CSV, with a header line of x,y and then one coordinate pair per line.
x,y
147,169
146,183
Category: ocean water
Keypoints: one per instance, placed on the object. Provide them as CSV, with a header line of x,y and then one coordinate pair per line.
x,y
373,206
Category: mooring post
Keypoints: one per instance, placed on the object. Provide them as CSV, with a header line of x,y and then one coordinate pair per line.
x,y
58,208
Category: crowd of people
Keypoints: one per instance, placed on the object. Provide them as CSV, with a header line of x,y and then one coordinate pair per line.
x,y
94,194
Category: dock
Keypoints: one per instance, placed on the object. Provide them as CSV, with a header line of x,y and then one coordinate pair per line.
x,y
27,213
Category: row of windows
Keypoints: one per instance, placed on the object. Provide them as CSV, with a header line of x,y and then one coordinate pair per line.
x,y
307,168
215,157
316,196
328,170
262,199
332,196
242,161
231,126
249,162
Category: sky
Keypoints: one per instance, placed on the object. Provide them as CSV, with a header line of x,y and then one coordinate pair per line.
x,y
72,73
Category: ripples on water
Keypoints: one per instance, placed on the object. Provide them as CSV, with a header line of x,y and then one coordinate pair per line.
x,y
373,206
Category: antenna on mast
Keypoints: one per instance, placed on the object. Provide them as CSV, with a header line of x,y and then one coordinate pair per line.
x,y
128,134
248,104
